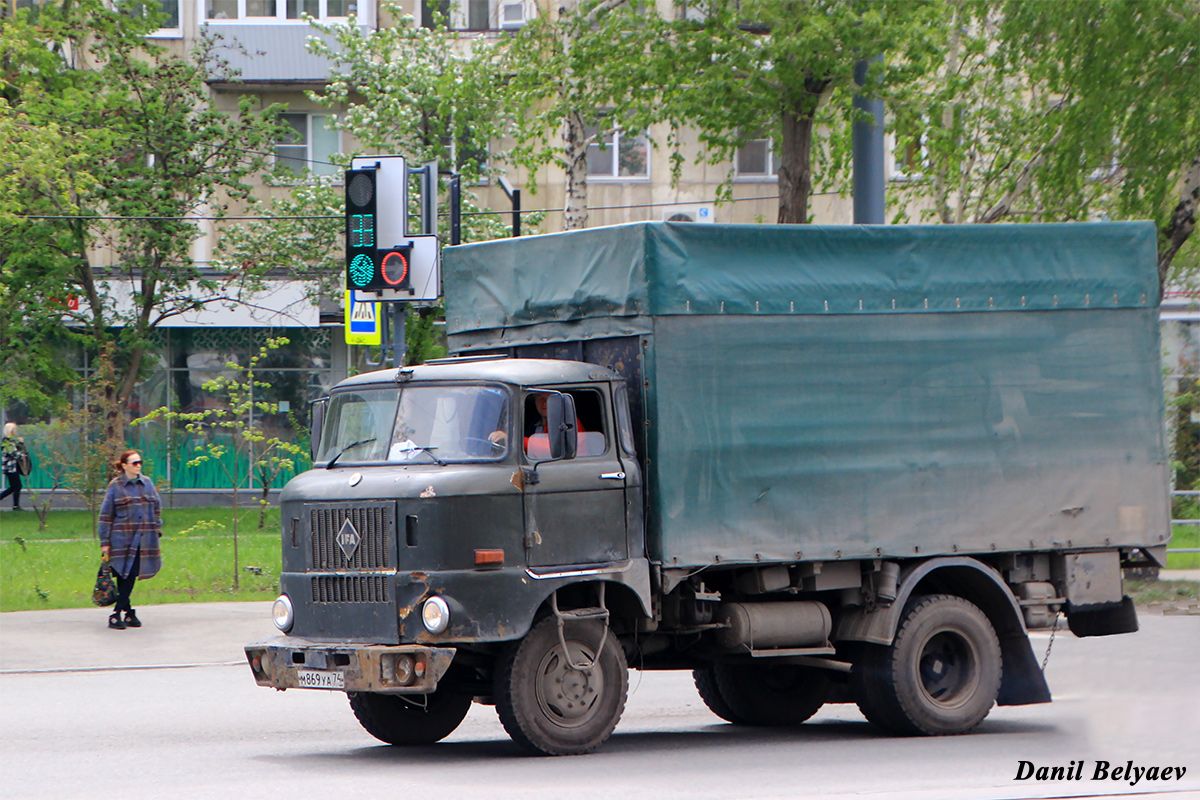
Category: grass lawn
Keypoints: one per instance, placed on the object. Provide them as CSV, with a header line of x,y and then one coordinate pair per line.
x,y
56,568
1184,536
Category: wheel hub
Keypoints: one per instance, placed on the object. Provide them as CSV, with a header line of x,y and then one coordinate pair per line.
x,y
568,696
947,668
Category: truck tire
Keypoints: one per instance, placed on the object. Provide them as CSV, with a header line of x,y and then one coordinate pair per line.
x,y
548,707
706,684
769,695
941,674
410,721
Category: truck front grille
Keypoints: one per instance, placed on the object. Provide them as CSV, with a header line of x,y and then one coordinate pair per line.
x,y
373,524
350,588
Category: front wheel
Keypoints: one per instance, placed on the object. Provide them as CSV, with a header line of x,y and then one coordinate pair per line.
x,y
413,720
940,675
550,706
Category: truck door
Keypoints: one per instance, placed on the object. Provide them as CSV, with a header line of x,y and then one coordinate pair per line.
x,y
575,514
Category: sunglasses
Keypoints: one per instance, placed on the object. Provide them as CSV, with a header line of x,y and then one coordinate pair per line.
x,y
134,463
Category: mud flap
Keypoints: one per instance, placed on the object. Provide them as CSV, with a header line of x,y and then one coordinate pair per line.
x,y
1103,620
1022,682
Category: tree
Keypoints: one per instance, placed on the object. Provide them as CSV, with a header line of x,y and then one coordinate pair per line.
x,y
420,93
138,152
98,444
57,443
784,69
1075,110
300,235
232,436
574,76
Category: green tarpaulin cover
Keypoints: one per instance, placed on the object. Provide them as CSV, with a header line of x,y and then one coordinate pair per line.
x,y
861,391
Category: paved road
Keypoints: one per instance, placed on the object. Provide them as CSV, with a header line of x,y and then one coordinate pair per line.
x,y
170,711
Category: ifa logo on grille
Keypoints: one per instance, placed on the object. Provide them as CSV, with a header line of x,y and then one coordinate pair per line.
x,y
348,539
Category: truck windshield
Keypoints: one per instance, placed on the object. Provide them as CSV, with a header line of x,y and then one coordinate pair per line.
x,y
444,423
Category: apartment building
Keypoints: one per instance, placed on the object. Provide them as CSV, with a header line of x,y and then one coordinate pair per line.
x,y
264,43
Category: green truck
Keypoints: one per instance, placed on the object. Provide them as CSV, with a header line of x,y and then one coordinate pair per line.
x,y
810,464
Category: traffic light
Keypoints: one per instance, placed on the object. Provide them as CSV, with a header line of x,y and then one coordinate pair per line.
x,y
360,227
370,268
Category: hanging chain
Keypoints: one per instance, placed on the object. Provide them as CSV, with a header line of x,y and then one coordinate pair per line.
x,y
1050,644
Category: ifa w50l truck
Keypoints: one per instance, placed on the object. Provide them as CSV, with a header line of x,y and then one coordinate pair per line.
x,y
811,465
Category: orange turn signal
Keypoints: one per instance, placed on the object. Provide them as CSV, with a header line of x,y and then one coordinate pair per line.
x,y
488,558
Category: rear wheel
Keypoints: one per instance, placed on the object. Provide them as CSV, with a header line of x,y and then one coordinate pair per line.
x,y
941,674
550,707
769,694
412,720
706,684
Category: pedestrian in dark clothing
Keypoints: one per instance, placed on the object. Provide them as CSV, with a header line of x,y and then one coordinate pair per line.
x,y
12,447
130,527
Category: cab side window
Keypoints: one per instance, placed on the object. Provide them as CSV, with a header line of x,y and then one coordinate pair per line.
x,y
589,412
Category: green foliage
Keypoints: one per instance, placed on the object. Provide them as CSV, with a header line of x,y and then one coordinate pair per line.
x,y
77,450
299,235
785,69
424,338
234,430
576,74
115,139
1073,110
1183,409
420,93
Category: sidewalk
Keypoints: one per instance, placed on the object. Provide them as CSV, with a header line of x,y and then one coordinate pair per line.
x,y
1179,575
172,635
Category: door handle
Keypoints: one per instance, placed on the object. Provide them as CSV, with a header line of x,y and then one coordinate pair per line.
x,y
613,476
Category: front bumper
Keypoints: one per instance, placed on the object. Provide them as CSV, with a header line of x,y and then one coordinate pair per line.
x,y
278,662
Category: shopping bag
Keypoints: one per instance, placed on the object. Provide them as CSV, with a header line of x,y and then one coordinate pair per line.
x,y
105,593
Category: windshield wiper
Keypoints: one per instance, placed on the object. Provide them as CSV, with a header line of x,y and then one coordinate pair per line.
x,y
347,447
429,452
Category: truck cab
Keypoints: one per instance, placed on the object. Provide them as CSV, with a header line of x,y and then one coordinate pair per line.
x,y
449,506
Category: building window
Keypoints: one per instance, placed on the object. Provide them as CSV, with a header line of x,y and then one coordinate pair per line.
x,y
617,155
278,10
430,8
756,159
477,15
168,8
308,146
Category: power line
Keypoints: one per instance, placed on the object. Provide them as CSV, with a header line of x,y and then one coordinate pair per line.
x,y
82,124
629,207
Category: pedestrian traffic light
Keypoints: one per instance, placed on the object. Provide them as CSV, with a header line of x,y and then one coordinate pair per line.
x,y
369,267
360,227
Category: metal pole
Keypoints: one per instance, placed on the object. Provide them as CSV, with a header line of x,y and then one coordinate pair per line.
x,y
867,139
429,200
455,209
514,195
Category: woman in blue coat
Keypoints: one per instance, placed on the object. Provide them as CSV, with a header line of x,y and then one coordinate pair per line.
x,y
130,527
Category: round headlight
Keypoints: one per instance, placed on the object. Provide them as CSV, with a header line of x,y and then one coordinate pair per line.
x,y
283,613
435,614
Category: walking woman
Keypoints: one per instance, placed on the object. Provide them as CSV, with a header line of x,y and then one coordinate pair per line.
x,y
12,447
130,527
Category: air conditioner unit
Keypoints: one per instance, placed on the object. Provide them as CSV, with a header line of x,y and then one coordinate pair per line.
x,y
693,212
512,15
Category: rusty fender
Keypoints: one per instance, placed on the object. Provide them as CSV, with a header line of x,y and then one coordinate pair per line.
x,y
365,667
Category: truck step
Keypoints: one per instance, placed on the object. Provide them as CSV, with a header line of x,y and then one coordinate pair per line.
x,y
584,613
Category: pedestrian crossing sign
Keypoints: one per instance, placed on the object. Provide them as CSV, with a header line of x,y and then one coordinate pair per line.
x,y
362,320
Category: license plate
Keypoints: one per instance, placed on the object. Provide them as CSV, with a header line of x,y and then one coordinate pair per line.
x,y
319,679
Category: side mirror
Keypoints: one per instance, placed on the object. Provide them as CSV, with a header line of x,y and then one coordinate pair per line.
x,y
561,424
316,420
